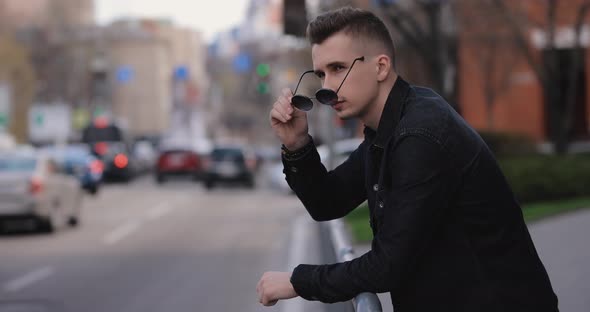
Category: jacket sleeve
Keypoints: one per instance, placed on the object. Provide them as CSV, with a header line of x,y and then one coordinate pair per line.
x,y
421,186
326,194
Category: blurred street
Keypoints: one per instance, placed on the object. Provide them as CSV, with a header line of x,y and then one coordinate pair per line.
x,y
139,171
144,247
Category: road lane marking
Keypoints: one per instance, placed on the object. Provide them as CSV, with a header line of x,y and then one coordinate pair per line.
x,y
121,232
159,211
28,279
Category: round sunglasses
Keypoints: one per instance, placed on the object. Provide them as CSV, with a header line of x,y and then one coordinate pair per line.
x,y
323,95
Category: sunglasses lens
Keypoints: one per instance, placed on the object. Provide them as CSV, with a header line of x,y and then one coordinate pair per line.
x,y
302,103
326,96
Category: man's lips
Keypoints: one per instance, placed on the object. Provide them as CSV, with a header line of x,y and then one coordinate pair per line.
x,y
337,105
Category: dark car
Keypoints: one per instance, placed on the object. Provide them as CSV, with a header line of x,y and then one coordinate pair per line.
x,y
118,161
110,144
178,162
228,164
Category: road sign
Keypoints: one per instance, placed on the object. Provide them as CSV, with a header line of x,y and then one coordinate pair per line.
x,y
181,73
80,118
49,122
39,119
125,74
5,105
3,121
242,63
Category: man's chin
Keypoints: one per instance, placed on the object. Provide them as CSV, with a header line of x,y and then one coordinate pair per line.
x,y
345,115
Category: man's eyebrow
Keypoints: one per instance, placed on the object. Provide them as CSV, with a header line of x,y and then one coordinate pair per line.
x,y
331,66
335,63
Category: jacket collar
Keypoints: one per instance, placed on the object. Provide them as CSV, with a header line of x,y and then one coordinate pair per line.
x,y
391,114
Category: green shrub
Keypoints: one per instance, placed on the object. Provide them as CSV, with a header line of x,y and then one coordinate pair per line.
x,y
508,144
540,177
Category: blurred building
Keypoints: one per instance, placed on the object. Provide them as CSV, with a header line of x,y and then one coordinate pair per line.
x,y
17,14
17,86
139,68
156,68
499,89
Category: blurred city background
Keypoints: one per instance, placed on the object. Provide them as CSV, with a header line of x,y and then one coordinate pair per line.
x,y
138,170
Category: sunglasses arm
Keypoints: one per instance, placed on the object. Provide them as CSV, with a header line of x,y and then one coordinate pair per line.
x,y
362,58
300,78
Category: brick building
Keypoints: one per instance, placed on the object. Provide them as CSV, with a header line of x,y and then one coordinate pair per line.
x,y
499,89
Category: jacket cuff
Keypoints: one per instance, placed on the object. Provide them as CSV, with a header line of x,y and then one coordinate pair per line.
x,y
302,279
294,166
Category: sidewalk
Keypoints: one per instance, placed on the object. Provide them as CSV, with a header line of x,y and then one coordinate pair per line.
x,y
563,245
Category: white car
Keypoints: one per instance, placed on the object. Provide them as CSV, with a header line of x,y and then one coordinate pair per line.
x,y
342,149
35,194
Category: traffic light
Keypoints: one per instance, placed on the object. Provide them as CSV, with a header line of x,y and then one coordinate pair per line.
x,y
263,70
263,73
294,17
263,88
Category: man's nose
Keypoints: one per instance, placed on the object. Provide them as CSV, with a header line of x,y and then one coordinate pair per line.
x,y
330,83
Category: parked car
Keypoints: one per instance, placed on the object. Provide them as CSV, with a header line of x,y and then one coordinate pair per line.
x,y
275,177
78,161
178,161
146,156
36,194
342,149
228,164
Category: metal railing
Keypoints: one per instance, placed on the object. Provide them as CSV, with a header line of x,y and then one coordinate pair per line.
x,y
364,302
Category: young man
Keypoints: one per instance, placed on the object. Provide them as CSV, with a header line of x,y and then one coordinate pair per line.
x,y
448,232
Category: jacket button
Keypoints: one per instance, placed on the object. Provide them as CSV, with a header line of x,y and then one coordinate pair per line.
x,y
381,204
294,169
376,187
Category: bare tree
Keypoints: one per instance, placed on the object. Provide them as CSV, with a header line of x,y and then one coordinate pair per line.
x,y
492,53
547,67
426,26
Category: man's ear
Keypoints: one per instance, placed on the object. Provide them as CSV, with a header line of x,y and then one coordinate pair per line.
x,y
383,67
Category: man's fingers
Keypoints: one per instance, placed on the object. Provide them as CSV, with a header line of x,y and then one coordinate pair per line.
x,y
284,105
268,300
286,92
274,114
270,303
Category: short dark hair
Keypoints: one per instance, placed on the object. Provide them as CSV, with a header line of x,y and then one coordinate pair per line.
x,y
353,21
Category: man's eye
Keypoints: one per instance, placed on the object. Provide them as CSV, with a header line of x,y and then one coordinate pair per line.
x,y
321,75
338,68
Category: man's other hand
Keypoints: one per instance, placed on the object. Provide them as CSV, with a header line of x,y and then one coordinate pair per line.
x,y
274,286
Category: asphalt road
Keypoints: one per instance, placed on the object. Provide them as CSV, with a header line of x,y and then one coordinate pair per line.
x,y
145,247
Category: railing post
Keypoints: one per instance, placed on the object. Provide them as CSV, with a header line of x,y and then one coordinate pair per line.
x,y
364,302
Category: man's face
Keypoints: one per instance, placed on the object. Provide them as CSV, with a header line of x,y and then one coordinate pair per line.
x,y
331,60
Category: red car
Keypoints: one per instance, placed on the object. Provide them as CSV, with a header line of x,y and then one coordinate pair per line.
x,y
178,162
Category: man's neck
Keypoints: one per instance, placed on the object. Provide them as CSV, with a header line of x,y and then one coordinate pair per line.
x,y
373,116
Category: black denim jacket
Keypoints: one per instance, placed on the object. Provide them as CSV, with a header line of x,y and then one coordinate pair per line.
x,y
448,232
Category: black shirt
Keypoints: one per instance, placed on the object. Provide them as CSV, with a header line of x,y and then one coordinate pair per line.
x,y
449,234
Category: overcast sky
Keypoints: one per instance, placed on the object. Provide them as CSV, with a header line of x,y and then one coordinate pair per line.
x,y
207,16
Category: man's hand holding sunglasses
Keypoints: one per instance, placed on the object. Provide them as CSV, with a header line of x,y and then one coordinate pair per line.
x,y
289,124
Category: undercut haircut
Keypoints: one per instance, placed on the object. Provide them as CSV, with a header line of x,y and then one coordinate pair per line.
x,y
358,23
